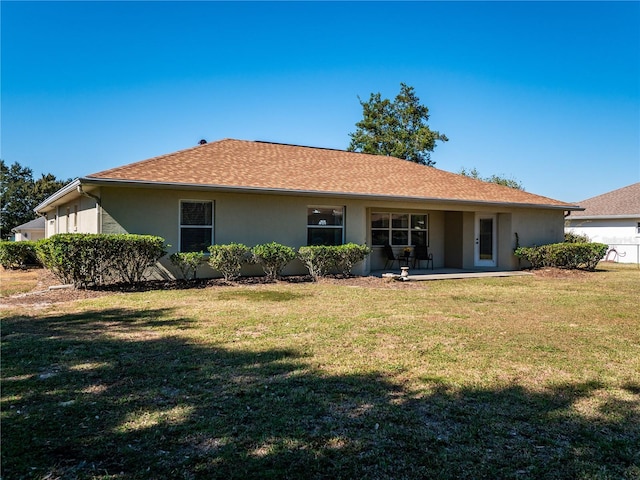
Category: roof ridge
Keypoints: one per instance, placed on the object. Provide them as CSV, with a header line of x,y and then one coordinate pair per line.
x,y
301,146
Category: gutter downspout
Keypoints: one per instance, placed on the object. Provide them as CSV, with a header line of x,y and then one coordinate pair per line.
x,y
98,206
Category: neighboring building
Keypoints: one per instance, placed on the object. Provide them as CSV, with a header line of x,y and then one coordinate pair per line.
x,y
33,230
258,192
612,218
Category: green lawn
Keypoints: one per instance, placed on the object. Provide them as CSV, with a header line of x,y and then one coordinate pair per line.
x,y
521,377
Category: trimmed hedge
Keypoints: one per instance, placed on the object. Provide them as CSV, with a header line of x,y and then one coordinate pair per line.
x,y
318,259
228,259
321,259
18,254
94,259
273,258
564,255
348,255
187,263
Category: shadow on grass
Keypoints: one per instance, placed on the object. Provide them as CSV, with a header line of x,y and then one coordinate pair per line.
x,y
103,395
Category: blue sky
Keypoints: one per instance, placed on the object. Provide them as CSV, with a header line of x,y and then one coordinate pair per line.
x,y
547,93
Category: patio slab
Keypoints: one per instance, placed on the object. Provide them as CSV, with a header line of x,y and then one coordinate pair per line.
x,y
449,274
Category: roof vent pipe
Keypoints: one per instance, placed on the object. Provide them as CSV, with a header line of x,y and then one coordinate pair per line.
x,y
202,142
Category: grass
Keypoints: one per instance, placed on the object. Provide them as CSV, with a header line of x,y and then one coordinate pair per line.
x,y
521,377
14,283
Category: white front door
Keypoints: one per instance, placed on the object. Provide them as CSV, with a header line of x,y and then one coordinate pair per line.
x,y
485,240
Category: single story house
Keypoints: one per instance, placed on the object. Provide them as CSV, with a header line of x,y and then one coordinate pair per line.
x,y
32,230
612,218
255,192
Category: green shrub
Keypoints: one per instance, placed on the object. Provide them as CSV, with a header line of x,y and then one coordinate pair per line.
x,y
319,259
18,254
95,259
228,259
347,255
571,237
564,255
134,254
187,263
272,257
74,258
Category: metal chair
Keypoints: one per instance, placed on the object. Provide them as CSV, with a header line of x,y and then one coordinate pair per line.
x,y
421,252
391,257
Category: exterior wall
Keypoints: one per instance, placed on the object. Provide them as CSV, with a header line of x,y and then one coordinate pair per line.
x,y
50,226
29,234
250,219
453,240
79,215
537,227
506,243
533,226
620,234
253,218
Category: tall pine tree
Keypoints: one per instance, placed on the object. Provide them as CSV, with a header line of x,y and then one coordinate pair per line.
x,y
396,128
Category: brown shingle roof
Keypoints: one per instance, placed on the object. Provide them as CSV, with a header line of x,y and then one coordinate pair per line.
x,y
620,202
243,164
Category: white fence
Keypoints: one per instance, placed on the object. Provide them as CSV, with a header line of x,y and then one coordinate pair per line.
x,y
623,253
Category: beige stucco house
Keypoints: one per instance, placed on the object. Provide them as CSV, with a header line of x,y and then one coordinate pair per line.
x,y
257,192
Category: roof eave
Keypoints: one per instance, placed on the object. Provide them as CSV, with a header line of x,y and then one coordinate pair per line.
x,y
64,191
284,191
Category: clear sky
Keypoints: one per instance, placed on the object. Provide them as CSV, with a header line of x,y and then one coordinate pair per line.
x,y
547,93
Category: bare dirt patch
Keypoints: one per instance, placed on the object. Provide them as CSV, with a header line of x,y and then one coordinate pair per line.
x,y
40,294
551,272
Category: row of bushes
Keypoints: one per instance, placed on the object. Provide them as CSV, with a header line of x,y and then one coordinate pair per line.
x,y
273,258
564,255
89,259
18,254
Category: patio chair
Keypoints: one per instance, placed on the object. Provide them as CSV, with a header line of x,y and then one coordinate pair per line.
x,y
391,257
421,252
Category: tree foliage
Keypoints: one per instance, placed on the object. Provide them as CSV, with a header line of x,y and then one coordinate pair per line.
x,y
507,182
396,128
20,194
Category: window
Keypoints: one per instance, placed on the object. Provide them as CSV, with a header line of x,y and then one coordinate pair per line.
x,y
325,225
399,229
638,230
196,225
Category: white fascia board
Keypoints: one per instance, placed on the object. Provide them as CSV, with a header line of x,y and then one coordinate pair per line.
x,y
630,216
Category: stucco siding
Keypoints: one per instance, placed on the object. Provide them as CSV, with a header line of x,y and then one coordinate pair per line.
x,y
77,216
538,227
253,218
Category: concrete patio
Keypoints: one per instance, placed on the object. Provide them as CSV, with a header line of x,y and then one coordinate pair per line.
x,y
447,274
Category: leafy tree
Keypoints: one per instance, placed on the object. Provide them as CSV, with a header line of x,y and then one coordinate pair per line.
x,y
20,194
396,128
507,182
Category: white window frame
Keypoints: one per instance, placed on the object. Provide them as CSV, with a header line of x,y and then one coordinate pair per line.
x,y
390,229
342,208
181,226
